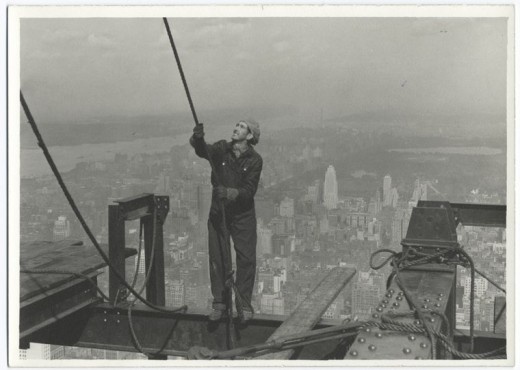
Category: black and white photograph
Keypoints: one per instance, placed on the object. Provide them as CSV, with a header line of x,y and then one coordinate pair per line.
x,y
261,185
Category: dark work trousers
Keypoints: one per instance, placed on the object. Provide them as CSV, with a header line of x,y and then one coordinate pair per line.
x,y
242,229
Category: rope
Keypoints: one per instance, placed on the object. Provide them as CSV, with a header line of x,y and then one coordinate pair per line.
x,y
400,261
285,342
78,214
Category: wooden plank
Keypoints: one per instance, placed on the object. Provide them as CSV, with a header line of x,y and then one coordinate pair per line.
x,y
430,290
309,312
69,255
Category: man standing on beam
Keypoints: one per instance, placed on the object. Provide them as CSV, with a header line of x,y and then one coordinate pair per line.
x,y
238,168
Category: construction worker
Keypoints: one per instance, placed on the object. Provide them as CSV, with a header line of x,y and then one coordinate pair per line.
x,y
238,168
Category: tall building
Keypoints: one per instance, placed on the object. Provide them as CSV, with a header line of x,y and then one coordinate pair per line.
x,y
330,189
175,293
265,243
61,228
287,207
36,351
387,190
203,201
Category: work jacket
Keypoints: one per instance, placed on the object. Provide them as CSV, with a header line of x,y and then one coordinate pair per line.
x,y
242,173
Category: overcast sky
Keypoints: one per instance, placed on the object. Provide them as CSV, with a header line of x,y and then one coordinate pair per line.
x,y
80,68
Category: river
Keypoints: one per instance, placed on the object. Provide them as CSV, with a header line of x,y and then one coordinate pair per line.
x,y
33,163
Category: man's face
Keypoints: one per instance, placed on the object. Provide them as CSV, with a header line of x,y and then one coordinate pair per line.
x,y
241,132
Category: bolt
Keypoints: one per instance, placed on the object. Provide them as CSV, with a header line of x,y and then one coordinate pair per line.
x,y
375,316
353,353
104,312
118,313
118,321
407,351
423,345
105,320
361,340
372,347
411,337
379,335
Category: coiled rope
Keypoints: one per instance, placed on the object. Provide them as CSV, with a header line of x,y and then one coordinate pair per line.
x,y
452,256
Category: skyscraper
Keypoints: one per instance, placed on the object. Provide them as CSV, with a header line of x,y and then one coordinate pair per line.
x,y
330,189
387,190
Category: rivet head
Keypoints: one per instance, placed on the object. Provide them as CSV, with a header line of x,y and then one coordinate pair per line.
x,y
379,335
385,301
427,299
439,299
395,304
353,353
367,330
423,345
118,321
105,320
388,295
372,347
411,337
391,291
419,358
417,322
425,306
361,340
383,305
407,351
432,319
441,294
399,298
400,293
375,316
437,305
379,309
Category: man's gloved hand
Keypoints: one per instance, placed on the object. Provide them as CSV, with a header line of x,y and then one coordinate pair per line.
x,y
198,131
221,192
224,193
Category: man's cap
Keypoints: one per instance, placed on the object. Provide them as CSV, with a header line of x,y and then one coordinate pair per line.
x,y
254,128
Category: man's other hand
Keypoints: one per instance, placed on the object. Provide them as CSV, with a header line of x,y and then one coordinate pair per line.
x,y
198,131
221,192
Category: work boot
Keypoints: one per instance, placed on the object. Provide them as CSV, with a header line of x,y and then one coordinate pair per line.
x,y
216,314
